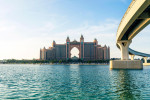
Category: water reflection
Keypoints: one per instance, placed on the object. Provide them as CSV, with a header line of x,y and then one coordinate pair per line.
x,y
124,85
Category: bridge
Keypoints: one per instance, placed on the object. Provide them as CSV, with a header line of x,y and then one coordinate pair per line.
x,y
132,53
136,18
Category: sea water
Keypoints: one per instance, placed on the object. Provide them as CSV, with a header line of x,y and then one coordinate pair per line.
x,y
72,82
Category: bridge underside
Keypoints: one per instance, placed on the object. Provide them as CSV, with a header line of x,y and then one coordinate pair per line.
x,y
136,18
140,23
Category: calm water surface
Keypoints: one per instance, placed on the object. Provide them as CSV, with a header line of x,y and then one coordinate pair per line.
x,y
73,82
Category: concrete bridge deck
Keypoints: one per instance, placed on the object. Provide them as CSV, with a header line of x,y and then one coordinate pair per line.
x,y
144,55
133,52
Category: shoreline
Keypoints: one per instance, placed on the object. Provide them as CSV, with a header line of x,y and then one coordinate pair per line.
x,y
74,64
49,64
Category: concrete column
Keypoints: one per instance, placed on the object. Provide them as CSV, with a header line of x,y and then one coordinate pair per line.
x,y
145,59
124,46
132,57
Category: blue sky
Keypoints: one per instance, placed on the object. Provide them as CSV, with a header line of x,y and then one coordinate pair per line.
x,y
28,25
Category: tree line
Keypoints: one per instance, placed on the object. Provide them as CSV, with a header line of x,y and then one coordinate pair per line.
x,y
14,61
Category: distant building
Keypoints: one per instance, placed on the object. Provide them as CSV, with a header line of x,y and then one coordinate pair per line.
x,y
87,50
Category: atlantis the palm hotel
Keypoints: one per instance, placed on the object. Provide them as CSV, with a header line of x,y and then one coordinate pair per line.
x,y
87,50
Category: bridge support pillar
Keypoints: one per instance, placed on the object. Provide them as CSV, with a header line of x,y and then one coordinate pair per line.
x,y
145,62
145,59
124,46
125,63
132,57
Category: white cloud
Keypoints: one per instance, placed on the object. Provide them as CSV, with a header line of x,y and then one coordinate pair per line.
x,y
124,1
22,42
17,45
105,32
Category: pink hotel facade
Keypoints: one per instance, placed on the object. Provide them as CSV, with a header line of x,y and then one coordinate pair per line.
x,y
87,50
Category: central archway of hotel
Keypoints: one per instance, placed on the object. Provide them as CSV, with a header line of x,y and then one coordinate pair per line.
x,y
74,52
